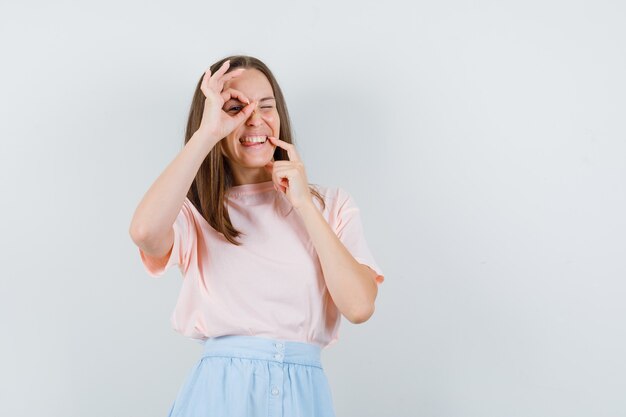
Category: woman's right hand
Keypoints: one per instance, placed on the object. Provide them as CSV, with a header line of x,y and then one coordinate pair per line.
x,y
216,123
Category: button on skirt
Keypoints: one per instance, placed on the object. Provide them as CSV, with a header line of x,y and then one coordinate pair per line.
x,y
251,376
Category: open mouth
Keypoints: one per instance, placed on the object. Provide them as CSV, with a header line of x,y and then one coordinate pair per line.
x,y
253,141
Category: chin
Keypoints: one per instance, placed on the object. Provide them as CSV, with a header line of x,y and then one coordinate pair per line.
x,y
258,163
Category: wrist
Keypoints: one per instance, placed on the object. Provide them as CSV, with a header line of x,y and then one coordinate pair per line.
x,y
205,137
306,207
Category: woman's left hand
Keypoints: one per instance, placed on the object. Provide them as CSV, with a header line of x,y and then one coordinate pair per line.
x,y
289,176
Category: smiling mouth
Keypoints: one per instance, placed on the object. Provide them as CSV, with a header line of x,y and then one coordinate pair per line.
x,y
253,139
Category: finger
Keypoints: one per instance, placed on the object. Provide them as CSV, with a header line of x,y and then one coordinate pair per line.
x,y
223,68
245,112
284,163
221,82
205,81
214,81
207,74
292,154
283,179
285,171
279,181
232,93
270,168
232,74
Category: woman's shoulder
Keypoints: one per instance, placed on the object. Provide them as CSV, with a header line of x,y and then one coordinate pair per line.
x,y
333,195
327,189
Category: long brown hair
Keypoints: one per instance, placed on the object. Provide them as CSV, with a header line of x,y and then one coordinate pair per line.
x,y
215,177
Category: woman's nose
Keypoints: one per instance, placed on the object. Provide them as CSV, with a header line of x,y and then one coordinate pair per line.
x,y
255,118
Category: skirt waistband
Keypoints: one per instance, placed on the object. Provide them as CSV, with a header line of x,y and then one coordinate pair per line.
x,y
255,347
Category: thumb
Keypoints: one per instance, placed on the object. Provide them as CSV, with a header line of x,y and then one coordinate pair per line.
x,y
245,112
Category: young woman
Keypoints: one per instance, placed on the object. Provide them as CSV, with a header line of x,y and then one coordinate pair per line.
x,y
269,262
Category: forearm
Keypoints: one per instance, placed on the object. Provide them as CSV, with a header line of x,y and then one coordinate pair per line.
x,y
351,284
159,207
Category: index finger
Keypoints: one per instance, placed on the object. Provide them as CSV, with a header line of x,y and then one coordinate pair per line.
x,y
231,93
292,154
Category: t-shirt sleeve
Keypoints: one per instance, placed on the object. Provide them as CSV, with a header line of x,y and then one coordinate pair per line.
x,y
180,254
349,230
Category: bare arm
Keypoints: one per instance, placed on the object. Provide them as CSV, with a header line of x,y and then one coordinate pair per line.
x,y
351,284
152,225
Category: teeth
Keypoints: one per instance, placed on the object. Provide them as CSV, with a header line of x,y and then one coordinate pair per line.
x,y
255,139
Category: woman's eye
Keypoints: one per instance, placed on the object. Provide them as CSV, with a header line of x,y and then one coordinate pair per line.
x,y
235,108
267,107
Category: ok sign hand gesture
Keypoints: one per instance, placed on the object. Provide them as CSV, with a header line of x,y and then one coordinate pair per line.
x,y
216,123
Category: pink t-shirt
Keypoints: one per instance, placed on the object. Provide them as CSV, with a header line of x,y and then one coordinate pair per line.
x,y
270,286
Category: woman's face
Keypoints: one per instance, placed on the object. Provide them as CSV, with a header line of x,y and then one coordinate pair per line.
x,y
248,159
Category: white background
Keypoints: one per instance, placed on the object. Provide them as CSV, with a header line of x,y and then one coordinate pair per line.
x,y
484,142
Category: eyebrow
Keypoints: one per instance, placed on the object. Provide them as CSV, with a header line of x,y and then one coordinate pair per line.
x,y
239,101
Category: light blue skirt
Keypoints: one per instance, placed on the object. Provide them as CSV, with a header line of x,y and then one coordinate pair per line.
x,y
251,376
